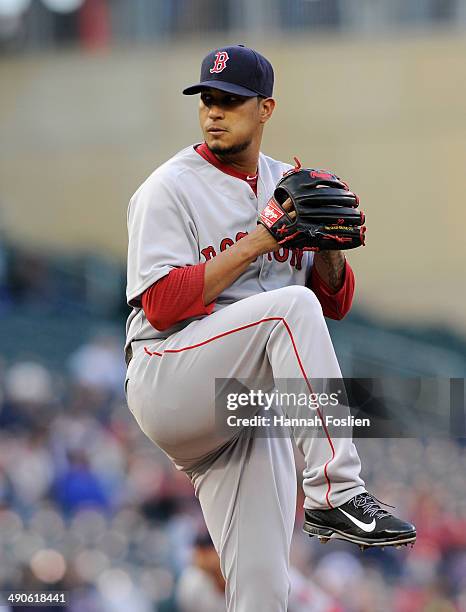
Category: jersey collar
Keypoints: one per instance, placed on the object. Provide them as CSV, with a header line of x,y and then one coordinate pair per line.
x,y
207,154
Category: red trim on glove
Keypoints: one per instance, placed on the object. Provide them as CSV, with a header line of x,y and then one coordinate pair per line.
x,y
176,297
334,305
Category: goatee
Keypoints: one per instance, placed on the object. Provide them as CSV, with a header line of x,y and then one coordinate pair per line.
x,y
226,152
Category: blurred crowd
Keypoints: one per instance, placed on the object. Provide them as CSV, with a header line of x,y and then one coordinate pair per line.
x,y
95,24
88,505
44,282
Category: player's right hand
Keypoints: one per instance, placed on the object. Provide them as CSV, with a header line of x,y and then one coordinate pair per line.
x,y
261,240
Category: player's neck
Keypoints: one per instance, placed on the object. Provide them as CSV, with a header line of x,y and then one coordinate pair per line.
x,y
245,162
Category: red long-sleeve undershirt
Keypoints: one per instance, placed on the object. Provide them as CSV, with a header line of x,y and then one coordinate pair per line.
x,y
179,296
334,305
176,297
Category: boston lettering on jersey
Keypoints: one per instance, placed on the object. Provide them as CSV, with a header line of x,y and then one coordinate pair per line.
x,y
282,255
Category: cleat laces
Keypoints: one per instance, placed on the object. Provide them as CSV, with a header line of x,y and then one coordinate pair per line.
x,y
370,505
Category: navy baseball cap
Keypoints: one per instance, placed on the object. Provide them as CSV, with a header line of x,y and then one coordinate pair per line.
x,y
237,70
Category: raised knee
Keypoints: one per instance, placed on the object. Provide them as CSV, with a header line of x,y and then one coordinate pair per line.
x,y
302,299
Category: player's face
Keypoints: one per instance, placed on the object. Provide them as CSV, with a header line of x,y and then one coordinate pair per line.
x,y
229,122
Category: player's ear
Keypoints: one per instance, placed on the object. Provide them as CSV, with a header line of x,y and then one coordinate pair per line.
x,y
266,108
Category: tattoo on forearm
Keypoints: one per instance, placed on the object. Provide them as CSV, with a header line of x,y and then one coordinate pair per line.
x,y
335,267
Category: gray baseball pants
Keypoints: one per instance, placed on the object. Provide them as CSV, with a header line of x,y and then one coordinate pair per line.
x,y
245,481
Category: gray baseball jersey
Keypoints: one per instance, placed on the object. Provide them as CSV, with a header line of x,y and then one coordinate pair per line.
x,y
185,213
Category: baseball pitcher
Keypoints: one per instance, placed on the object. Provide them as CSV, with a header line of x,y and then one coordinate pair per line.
x,y
234,260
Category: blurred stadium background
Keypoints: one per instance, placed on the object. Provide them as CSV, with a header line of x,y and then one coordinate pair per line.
x,y
89,104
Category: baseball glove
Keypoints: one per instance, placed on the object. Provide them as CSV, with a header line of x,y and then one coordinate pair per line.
x,y
326,216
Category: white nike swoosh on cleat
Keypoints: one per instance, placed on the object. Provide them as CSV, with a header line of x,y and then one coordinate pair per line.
x,y
367,527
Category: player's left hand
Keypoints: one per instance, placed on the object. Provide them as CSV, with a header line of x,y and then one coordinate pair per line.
x,y
289,207
314,210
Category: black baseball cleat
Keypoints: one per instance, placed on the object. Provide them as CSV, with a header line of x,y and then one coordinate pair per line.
x,y
362,521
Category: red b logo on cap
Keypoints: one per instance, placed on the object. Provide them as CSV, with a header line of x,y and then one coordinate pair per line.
x,y
221,60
